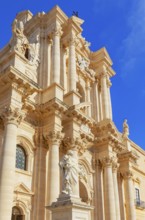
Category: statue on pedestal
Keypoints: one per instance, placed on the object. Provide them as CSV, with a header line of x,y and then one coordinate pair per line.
x,y
70,169
125,129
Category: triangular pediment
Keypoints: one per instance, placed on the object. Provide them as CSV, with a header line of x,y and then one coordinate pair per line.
x,y
23,189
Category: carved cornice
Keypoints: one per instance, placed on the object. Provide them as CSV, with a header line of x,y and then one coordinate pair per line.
x,y
11,115
18,81
129,156
105,132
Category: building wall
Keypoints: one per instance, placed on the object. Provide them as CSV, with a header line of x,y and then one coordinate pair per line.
x,y
55,97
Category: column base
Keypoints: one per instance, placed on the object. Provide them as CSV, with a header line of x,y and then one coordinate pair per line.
x,y
72,98
70,208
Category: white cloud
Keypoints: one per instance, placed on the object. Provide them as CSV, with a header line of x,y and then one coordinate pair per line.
x,y
133,46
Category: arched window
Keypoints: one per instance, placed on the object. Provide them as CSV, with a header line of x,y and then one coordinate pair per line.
x,y
16,214
20,158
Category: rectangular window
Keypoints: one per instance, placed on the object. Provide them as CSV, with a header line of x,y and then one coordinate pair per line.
x,y
137,196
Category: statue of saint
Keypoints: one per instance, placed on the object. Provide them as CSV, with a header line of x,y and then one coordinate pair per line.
x,y
125,129
70,169
19,41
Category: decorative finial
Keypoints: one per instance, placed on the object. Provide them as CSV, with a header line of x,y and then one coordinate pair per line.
x,y
125,129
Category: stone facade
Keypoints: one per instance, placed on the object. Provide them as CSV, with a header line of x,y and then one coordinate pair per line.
x,y
61,155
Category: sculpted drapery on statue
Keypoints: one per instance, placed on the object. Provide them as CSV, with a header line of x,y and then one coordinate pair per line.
x,y
70,170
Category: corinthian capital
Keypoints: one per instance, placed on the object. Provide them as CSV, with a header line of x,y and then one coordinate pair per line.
x,y
12,116
74,144
57,31
107,161
127,174
54,137
115,166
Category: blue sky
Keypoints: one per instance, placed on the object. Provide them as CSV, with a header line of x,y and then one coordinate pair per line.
x,y
119,25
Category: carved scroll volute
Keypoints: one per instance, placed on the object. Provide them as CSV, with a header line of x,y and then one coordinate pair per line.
x,y
127,174
75,144
107,161
54,137
12,116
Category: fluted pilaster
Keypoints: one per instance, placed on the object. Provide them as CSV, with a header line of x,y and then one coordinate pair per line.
x,y
56,54
72,64
129,198
116,192
105,98
109,200
12,118
54,138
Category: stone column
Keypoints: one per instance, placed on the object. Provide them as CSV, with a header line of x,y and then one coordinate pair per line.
x,y
49,61
63,78
7,170
129,196
109,97
56,55
104,93
96,108
72,65
88,88
116,192
54,139
109,201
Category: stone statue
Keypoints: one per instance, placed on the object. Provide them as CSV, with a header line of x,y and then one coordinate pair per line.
x,y
33,55
125,129
19,41
70,171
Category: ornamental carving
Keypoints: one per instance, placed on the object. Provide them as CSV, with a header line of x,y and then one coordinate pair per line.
x,y
19,41
115,166
39,139
127,174
54,137
56,31
11,115
75,144
107,161
84,65
27,48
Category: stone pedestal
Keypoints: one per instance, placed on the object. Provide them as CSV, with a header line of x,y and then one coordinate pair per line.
x,y
72,98
69,208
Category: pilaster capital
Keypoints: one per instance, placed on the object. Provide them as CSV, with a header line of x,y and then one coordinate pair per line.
x,y
127,174
75,144
56,31
39,139
115,166
109,84
107,161
54,137
49,40
12,116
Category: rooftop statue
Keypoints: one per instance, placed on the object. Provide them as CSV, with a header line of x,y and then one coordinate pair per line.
x,y
125,128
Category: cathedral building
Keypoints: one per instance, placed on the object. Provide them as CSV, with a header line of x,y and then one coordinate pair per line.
x,y
61,155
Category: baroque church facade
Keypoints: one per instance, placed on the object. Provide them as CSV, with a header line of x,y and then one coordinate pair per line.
x,y
61,155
